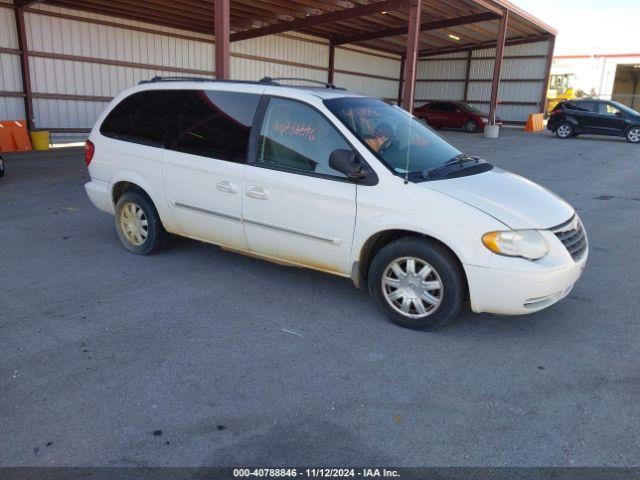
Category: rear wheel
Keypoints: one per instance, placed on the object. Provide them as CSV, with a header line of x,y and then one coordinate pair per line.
x,y
138,224
471,126
633,135
417,283
564,130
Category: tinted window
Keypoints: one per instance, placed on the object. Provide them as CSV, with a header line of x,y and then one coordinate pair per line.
x,y
212,124
582,106
295,136
140,118
608,109
448,107
436,106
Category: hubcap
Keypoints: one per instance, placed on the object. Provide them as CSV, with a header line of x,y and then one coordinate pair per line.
x,y
634,135
134,224
412,287
564,130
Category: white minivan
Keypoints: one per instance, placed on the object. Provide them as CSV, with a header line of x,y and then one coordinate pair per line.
x,y
327,179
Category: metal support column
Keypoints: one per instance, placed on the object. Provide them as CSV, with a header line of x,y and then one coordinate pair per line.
x,y
547,75
467,75
24,66
401,79
411,61
222,34
495,85
332,62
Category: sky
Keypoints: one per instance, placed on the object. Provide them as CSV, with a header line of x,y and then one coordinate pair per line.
x,y
590,26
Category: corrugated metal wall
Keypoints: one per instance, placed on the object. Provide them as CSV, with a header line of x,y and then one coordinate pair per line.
x,y
521,87
385,71
79,61
11,107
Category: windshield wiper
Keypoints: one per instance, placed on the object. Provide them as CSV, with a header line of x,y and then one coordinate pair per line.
x,y
457,160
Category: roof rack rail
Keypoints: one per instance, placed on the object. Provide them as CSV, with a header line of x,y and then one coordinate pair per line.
x,y
263,81
175,79
275,81
157,79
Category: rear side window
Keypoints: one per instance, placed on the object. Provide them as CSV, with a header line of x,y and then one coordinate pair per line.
x,y
212,124
582,106
140,118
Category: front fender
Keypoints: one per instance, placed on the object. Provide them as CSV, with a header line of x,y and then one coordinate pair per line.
x,y
426,212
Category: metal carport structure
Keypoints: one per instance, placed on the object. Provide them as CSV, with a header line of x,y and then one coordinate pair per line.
x,y
415,34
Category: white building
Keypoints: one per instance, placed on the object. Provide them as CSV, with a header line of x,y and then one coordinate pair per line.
x,y
614,76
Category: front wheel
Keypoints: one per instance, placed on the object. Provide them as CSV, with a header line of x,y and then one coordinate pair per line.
x,y
564,130
471,126
417,283
633,135
138,224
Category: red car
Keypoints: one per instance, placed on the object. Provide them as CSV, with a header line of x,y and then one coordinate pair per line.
x,y
453,114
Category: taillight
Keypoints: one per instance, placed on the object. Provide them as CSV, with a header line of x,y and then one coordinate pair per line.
x,y
89,150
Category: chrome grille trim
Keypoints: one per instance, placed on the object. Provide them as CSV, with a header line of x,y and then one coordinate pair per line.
x,y
572,235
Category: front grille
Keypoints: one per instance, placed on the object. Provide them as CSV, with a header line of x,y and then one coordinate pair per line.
x,y
573,237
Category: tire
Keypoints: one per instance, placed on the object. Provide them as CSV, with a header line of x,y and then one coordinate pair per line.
x,y
138,224
1,167
439,306
565,130
633,135
471,126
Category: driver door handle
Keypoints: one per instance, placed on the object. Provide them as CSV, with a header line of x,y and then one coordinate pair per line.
x,y
260,193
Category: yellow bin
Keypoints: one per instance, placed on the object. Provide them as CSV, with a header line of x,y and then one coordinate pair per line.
x,y
40,139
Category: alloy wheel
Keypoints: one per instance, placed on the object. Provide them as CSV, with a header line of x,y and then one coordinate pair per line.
x,y
471,126
412,287
634,135
564,130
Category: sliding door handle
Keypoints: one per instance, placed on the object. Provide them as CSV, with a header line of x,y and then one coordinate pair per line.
x,y
260,193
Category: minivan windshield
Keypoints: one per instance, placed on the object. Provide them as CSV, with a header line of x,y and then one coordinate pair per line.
x,y
402,142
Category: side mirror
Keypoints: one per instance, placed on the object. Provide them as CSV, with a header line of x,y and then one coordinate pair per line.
x,y
345,161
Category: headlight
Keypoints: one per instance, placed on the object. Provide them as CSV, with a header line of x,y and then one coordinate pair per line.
x,y
516,243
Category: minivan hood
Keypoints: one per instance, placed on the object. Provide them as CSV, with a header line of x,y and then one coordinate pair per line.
x,y
515,201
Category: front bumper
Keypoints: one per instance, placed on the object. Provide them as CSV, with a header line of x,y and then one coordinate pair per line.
x,y
514,292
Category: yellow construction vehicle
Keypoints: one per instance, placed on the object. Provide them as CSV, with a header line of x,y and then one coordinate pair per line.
x,y
560,89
